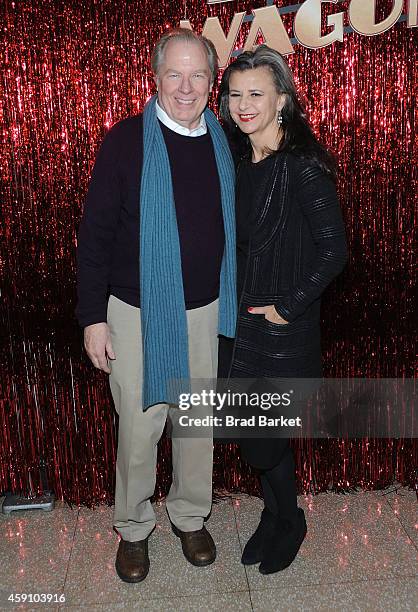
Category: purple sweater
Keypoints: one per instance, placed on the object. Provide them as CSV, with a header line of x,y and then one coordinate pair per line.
x,y
108,239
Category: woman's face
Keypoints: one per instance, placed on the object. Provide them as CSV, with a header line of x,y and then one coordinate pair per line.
x,y
254,102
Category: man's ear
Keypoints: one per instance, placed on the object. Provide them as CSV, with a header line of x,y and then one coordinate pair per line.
x,y
156,79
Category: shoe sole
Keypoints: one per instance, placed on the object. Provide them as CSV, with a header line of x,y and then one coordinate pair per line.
x,y
282,567
250,562
130,580
200,563
195,563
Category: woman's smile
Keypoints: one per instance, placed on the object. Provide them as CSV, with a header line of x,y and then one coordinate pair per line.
x,y
247,118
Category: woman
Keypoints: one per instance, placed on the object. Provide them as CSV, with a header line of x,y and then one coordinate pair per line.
x,y
291,244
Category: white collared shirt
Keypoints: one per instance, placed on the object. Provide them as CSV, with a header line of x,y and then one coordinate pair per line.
x,y
180,129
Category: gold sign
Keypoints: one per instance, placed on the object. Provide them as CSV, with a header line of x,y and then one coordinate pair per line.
x,y
307,26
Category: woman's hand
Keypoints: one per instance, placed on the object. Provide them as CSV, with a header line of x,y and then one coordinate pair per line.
x,y
270,313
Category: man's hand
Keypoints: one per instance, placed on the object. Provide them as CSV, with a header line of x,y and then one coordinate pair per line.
x,y
270,313
98,345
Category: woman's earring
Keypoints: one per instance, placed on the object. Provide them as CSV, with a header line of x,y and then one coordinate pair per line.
x,y
279,118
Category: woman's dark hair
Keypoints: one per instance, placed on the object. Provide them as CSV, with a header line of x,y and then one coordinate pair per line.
x,y
298,136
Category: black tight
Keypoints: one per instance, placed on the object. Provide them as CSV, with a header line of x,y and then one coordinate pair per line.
x,y
273,458
279,487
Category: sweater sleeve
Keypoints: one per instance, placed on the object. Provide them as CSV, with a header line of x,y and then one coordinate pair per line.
x,y
96,234
319,204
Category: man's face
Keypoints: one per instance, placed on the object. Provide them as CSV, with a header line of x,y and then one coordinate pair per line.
x,y
184,82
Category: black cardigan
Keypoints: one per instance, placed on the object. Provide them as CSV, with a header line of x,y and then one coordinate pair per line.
x,y
297,246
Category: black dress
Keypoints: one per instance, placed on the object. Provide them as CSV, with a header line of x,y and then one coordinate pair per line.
x,y
252,182
253,179
290,245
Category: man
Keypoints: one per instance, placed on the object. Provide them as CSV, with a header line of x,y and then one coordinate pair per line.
x,y
156,284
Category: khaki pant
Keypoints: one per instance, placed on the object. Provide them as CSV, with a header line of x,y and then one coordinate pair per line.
x,y
190,496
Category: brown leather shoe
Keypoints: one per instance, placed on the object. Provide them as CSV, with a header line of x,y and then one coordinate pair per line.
x,y
198,546
132,561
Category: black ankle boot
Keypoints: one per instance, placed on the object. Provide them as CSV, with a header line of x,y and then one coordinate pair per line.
x,y
281,548
253,549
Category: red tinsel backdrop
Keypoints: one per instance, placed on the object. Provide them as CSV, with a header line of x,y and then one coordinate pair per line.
x,y
71,70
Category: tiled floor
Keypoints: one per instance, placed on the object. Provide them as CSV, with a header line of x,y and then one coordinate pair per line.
x,y
360,553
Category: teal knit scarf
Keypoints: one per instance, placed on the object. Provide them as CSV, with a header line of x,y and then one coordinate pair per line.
x,y
163,312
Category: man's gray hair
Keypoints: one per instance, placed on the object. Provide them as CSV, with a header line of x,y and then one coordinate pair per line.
x,y
185,35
